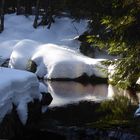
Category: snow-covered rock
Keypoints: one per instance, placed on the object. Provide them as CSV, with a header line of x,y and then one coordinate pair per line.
x,y
18,88
54,61
22,53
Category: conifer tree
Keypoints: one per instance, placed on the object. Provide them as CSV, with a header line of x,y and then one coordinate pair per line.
x,y
2,15
117,29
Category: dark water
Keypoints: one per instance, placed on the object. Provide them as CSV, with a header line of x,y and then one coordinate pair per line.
x,y
72,107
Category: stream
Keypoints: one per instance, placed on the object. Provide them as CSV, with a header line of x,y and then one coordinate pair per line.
x,y
69,92
69,116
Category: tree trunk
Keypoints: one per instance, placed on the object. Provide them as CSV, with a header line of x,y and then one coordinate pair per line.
x,y
28,7
2,15
35,24
50,14
18,7
47,19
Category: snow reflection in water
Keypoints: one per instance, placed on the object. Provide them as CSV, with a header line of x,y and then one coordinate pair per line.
x,y
70,92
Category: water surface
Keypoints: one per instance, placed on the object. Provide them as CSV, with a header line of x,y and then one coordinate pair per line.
x,y
70,92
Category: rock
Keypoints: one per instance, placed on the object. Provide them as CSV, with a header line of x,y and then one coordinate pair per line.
x,y
31,66
46,98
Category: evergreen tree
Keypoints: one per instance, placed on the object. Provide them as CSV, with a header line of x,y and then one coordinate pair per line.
x,y
117,29
2,15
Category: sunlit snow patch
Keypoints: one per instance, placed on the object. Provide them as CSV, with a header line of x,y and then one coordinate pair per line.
x,y
54,61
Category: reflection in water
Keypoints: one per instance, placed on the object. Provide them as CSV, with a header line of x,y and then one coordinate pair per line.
x,y
70,92
132,95
62,92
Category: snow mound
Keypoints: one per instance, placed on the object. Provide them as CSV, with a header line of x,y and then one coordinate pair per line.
x,y
18,88
54,61
22,53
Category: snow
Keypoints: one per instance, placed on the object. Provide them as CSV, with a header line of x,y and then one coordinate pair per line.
x,y
55,51
22,53
62,32
18,88
6,49
43,88
54,61
138,81
137,112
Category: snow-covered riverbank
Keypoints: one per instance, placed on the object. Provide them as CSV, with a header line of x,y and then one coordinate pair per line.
x,y
54,51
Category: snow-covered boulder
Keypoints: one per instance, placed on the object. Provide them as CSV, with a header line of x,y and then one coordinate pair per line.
x,y
18,88
54,61
22,53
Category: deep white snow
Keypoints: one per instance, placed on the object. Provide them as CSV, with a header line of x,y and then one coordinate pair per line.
x,y
54,51
18,88
54,61
18,28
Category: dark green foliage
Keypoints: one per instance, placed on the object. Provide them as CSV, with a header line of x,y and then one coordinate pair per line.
x,y
118,31
117,108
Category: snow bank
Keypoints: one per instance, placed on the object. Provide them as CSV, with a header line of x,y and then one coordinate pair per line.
x,y
6,49
54,61
62,32
18,88
51,50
